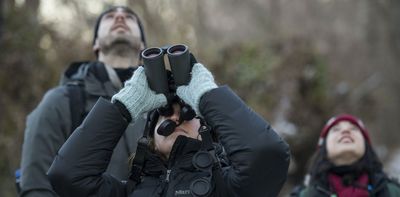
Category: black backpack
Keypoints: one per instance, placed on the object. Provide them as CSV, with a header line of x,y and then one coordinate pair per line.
x,y
76,94
77,103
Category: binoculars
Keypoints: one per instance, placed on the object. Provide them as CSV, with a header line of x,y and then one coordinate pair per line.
x,y
180,61
154,66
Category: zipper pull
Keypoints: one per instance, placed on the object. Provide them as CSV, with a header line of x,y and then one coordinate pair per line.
x,y
167,176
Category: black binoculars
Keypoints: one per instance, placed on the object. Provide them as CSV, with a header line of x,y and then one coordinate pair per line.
x,y
154,66
180,61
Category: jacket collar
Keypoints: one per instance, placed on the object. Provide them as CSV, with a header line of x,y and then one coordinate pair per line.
x,y
182,148
180,157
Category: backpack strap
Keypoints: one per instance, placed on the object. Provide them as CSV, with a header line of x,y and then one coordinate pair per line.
x,y
141,155
77,102
142,152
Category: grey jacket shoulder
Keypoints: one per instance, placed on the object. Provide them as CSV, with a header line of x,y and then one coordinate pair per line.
x,y
52,114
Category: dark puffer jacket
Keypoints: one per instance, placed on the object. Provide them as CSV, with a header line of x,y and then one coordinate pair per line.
x,y
258,157
49,126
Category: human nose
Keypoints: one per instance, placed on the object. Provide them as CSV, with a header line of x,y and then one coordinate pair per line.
x,y
119,16
175,117
345,130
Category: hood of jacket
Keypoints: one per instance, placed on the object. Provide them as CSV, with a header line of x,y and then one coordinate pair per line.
x,y
93,75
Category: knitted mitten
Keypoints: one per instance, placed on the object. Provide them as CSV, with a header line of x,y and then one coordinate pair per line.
x,y
137,96
201,82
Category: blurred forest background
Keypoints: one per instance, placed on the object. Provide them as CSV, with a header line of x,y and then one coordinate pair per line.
x,y
297,63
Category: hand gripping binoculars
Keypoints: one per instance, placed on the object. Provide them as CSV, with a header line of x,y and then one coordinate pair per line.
x,y
180,61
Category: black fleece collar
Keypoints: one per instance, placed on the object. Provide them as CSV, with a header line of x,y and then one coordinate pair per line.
x,y
183,147
180,157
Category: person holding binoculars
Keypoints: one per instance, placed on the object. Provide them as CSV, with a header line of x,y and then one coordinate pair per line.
x,y
199,140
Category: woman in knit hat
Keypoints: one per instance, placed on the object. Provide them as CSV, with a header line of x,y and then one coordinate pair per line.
x,y
345,164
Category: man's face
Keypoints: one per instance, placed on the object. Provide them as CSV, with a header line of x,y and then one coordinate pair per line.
x,y
345,140
118,27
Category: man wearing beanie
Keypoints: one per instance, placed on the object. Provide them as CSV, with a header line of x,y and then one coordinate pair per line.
x,y
345,164
117,43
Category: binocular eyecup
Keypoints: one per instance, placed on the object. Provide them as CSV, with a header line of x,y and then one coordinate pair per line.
x,y
154,66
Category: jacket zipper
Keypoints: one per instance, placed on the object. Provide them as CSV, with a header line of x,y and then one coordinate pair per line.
x,y
169,170
165,183
167,176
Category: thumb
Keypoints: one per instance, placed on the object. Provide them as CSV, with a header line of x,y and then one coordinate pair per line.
x,y
160,100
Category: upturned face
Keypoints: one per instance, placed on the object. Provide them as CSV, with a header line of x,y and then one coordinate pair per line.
x,y
163,144
118,27
345,143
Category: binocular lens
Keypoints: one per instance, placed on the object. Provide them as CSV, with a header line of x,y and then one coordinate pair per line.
x,y
152,52
177,49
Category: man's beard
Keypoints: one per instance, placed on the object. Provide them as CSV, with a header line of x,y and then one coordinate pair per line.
x,y
120,45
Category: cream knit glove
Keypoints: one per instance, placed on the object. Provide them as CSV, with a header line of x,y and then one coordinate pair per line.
x,y
137,96
201,82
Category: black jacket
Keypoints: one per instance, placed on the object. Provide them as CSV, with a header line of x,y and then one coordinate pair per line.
x,y
49,126
258,157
